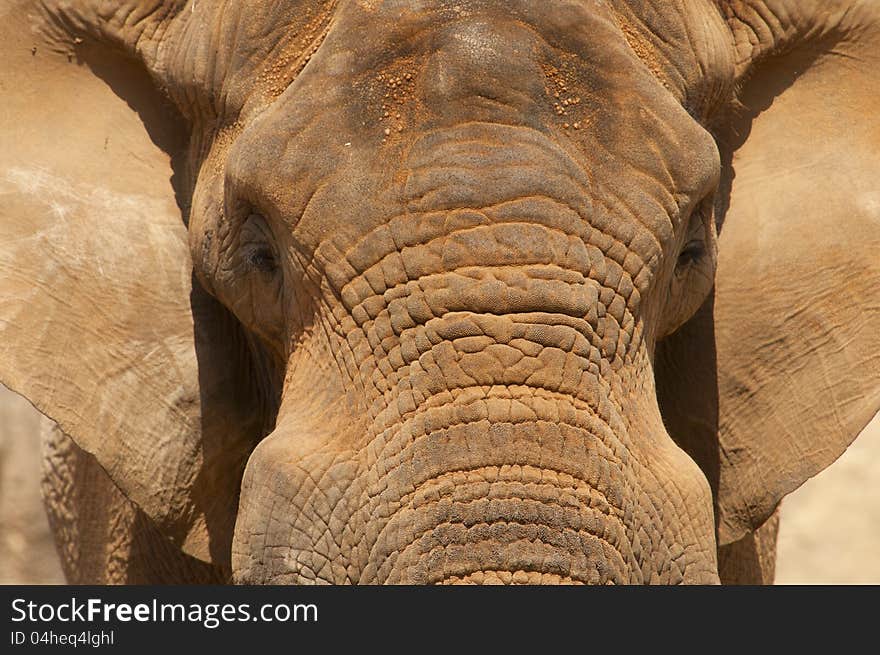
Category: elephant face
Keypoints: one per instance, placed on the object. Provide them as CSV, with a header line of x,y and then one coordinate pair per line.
x,y
463,297
441,256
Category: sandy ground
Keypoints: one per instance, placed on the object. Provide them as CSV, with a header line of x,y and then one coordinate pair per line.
x,y
830,529
27,551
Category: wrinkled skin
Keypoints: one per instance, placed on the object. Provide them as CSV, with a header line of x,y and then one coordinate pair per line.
x,y
424,321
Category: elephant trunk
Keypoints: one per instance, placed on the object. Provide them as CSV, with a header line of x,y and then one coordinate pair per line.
x,y
494,483
505,484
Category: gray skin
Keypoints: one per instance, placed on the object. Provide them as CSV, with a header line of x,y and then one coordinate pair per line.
x,y
439,292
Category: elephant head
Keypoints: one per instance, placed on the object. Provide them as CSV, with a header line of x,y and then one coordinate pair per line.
x,y
421,292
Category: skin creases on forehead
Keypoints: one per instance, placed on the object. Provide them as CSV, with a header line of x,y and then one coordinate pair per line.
x,y
246,56
555,101
686,45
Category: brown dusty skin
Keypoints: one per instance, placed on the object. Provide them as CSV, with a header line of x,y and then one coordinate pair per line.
x,y
444,292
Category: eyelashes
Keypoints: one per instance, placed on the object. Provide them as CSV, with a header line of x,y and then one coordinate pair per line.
x,y
696,245
257,246
261,260
690,254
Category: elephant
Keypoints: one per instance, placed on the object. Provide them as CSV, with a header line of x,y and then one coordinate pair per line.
x,y
435,291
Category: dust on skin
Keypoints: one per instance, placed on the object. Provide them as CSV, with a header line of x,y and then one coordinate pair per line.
x,y
643,48
284,69
565,103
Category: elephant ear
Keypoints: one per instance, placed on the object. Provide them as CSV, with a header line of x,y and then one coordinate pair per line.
x,y
101,325
780,371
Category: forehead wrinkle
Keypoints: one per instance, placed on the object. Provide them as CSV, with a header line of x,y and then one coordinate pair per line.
x,y
686,48
299,120
227,59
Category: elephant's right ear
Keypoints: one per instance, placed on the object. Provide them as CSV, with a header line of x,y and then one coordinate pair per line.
x,y
101,325
780,370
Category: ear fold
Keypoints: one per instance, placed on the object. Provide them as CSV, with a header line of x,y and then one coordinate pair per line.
x,y
793,329
101,325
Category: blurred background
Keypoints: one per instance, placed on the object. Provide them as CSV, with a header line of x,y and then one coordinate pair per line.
x,y
27,551
829,533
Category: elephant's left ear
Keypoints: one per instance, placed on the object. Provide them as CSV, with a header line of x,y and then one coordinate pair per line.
x,y
783,364
101,325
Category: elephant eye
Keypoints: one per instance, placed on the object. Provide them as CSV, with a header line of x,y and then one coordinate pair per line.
x,y
262,260
690,254
695,239
257,246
